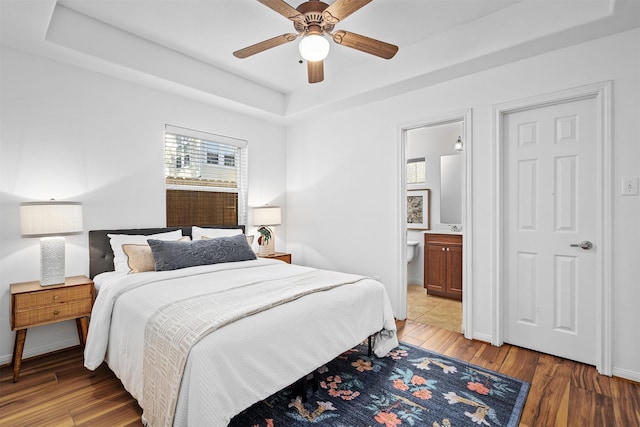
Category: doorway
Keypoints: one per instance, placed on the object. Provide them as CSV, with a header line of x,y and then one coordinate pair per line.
x,y
411,273
554,204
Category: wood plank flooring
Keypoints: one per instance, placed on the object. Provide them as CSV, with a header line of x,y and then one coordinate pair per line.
x,y
56,390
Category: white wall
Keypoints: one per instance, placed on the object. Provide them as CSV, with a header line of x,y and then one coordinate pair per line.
x,y
72,134
344,182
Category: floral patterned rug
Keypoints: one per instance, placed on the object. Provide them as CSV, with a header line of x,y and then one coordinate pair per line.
x,y
408,387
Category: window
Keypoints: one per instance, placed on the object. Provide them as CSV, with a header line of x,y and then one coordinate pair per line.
x,y
206,178
182,156
229,160
212,158
416,171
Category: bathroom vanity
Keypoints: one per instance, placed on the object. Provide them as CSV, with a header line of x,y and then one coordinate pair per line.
x,y
443,264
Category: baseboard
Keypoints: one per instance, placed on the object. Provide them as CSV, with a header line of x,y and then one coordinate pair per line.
x,y
415,282
626,374
482,337
38,351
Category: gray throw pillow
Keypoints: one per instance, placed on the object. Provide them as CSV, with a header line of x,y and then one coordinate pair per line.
x,y
172,255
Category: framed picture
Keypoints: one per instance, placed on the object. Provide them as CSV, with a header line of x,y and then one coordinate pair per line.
x,y
418,209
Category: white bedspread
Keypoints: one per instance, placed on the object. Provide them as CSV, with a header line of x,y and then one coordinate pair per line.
x,y
248,360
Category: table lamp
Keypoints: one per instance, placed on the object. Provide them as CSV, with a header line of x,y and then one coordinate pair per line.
x,y
51,221
263,218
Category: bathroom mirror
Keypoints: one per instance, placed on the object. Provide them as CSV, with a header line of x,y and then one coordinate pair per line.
x,y
451,167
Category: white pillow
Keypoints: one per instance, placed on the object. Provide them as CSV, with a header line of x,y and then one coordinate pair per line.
x,y
197,233
120,259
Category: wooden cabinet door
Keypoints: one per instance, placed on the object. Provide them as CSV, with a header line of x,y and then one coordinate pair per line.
x,y
443,265
435,265
454,270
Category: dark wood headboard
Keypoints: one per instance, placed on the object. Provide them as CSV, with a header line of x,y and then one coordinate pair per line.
x,y
101,254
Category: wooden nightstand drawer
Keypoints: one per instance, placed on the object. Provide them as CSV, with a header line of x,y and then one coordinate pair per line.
x,y
280,256
31,300
52,313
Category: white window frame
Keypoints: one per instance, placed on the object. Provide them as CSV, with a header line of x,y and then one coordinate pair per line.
x,y
241,166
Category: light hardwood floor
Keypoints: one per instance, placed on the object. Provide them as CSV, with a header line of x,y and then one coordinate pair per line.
x,y
55,390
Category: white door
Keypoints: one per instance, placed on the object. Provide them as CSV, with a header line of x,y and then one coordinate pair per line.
x,y
550,207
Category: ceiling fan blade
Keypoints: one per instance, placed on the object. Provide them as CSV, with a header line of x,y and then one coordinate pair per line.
x,y
315,70
285,10
341,9
365,44
264,45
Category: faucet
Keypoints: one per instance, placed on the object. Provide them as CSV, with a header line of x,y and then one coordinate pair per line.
x,y
455,227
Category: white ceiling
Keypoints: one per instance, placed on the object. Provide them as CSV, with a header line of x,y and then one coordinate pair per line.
x,y
185,46
211,30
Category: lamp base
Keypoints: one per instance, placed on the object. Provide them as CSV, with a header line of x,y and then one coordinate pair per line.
x,y
268,249
52,260
262,250
271,245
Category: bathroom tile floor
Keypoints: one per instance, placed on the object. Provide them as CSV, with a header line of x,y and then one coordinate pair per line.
x,y
444,313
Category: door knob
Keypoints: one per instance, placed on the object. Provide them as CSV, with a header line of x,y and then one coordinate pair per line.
x,y
586,245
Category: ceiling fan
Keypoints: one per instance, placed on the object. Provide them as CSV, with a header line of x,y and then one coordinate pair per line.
x,y
311,20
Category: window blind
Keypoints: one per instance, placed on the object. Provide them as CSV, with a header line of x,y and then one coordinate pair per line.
x,y
201,161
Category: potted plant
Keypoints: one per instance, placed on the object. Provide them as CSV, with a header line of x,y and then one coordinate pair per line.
x,y
263,239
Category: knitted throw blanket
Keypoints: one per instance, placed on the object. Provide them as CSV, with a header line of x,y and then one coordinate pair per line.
x,y
175,328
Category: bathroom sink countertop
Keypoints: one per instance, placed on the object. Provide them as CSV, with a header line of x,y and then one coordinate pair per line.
x,y
443,231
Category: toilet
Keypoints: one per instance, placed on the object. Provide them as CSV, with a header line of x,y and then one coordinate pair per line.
x,y
412,250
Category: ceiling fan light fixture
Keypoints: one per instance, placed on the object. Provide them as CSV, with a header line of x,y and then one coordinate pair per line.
x,y
314,47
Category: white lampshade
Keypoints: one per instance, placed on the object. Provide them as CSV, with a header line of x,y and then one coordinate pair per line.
x,y
268,215
50,221
314,47
52,218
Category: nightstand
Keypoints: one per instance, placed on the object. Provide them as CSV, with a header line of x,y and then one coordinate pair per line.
x,y
36,305
282,256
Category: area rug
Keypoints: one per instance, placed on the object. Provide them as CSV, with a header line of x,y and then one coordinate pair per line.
x,y
408,387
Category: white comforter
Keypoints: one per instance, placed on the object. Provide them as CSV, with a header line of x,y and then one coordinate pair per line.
x,y
246,361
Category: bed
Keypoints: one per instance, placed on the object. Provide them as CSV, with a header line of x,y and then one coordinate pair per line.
x,y
195,346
